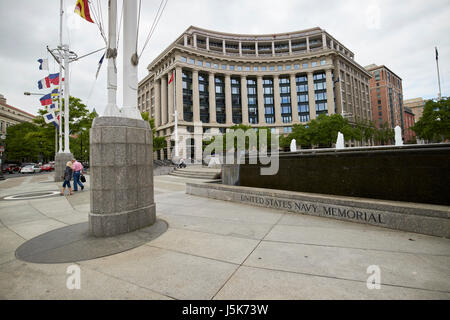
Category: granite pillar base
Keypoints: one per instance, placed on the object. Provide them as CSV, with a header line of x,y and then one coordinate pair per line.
x,y
121,172
61,159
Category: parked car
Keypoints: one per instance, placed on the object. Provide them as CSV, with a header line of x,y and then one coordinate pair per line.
x,y
47,167
11,168
30,169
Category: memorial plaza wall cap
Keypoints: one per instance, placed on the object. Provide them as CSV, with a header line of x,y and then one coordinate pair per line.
x,y
120,122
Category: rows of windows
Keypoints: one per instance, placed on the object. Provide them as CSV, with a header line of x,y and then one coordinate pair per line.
x,y
208,64
285,99
269,107
220,99
187,96
252,101
320,92
236,105
302,97
203,88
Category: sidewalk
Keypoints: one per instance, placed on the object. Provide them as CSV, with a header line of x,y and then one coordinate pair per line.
x,y
220,250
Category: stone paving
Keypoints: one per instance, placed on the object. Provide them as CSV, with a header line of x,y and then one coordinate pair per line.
x,y
220,250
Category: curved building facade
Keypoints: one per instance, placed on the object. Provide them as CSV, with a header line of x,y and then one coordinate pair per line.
x,y
277,80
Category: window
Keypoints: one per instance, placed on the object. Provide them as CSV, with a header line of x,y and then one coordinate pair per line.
x,y
288,67
323,62
224,67
183,59
272,68
239,68
280,68
304,118
296,66
255,68
191,61
199,63
216,66
313,64
231,67
208,64
263,68
322,106
247,68
377,75
287,129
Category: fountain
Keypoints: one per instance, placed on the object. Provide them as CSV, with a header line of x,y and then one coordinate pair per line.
x,y
340,141
398,136
293,145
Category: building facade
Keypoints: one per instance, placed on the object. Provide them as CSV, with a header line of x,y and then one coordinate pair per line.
x,y
416,105
10,115
386,97
408,117
276,80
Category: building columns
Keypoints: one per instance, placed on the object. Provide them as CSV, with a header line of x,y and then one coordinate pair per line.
x,y
330,93
195,97
212,98
307,44
228,108
311,97
163,100
276,99
170,97
179,92
324,40
260,91
244,100
294,103
157,103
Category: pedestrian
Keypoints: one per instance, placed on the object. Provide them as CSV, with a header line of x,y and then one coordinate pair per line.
x,y
77,172
67,177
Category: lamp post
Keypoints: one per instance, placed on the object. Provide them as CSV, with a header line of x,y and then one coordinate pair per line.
x,y
2,150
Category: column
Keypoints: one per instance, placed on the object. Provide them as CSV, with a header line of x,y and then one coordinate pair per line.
x,y
224,48
324,40
244,100
194,41
273,48
294,104
311,96
307,44
195,97
240,48
256,48
207,43
331,44
330,93
260,89
228,109
290,46
276,99
164,100
185,40
212,98
179,92
170,98
157,103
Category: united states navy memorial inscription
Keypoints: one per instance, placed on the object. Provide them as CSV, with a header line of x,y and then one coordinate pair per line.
x,y
321,210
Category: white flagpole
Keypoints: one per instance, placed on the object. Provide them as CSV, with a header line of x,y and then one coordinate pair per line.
x,y
175,114
439,78
66,99
60,78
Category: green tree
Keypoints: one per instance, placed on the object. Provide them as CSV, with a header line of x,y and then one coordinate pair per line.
x,y
158,142
384,135
434,125
19,149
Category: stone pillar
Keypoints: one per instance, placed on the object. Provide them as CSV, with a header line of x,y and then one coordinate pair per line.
x,y
195,97
290,46
256,48
324,40
163,100
228,108
179,92
224,48
207,43
294,103
157,103
307,44
260,91
185,40
61,159
212,98
330,93
121,164
198,143
311,96
170,98
273,48
331,44
276,99
240,48
244,100
194,42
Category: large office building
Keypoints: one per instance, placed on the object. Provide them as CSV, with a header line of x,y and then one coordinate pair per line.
x,y
273,80
416,105
387,97
10,115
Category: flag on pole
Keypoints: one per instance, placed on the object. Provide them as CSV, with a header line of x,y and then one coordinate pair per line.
x,y
44,83
46,100
82,8
171,78
51,118
55,93
99,65
435,48
43,64
54,78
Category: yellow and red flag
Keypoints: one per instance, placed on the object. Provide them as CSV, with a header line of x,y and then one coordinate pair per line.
x,y
82,8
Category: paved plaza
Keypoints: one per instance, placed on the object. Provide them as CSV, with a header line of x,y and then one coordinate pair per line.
x,y
219,250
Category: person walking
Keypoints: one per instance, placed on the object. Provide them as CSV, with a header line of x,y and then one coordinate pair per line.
x,y
67,177
77,172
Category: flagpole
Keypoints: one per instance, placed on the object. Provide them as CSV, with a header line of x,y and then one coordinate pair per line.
x,y
66,99
439,78
60,77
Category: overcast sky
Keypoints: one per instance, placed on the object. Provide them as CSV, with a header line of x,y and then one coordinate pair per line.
x,y
400,34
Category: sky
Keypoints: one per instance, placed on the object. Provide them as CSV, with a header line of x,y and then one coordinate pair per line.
x,y
400,34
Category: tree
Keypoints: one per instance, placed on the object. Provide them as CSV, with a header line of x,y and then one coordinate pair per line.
x,y
434,125
17,147
158,142
384,135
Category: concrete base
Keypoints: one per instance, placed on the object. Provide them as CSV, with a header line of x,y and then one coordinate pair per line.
x,y
412,217
121,164
61,159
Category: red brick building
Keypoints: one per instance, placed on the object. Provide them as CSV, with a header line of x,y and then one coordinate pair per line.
x,y
386,97
408,118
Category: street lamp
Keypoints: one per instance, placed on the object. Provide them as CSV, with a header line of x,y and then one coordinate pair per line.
x,y
2,137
